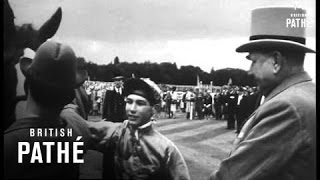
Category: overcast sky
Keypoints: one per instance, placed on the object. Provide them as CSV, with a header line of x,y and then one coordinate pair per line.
x,y
201,33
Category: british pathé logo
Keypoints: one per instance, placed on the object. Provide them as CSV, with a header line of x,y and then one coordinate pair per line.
x,y
297,20
71,151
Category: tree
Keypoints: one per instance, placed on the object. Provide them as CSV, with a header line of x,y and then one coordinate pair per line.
x,y
212,71
116,60
168,73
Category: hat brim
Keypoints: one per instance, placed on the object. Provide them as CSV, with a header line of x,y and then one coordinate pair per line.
x,y
262,44
118,78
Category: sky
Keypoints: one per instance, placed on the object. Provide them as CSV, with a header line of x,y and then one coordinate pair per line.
x,y
203,33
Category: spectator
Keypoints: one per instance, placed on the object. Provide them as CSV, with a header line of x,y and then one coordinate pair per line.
x,y
217,106
183,101
243,111
231,109
113,104
207,103
168,100
174,101
199,104
190,99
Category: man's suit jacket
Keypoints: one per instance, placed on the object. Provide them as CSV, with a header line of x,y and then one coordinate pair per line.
x,y
279,139
244,109
113,107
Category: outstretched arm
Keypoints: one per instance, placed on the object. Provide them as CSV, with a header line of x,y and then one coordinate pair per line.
x,y
96,134
102,132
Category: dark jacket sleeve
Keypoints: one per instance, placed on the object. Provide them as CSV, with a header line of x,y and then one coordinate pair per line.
x,y
270,142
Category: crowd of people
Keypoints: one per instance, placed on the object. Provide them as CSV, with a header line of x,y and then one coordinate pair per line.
x,y
232,103
96,91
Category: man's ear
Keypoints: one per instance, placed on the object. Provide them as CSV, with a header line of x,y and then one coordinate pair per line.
x,y
277,61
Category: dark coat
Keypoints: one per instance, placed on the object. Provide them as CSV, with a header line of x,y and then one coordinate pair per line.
x,y
113,107
207,100
253,102
232,100
244,110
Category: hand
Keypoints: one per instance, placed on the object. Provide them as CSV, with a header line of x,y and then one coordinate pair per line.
x,y
99,130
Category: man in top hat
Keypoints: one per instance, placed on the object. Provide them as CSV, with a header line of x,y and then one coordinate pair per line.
x,y
278,141
231,99
113,102
51,80
113,109
140,151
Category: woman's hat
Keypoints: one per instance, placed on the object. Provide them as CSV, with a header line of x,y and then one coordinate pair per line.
x,y
143,87
277,28
55,65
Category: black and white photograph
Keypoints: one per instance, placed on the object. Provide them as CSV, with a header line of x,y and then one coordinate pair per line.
x,y
159,89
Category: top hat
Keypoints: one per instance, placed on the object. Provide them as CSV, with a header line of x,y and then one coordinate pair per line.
x,y
142,87
55,65
277,28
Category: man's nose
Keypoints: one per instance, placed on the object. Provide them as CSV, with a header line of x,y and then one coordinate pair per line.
x,y
133,107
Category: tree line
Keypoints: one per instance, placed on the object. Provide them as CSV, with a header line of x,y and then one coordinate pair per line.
x,y
166,73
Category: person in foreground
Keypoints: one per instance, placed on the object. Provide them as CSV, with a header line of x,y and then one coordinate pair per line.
x,y
140,151
30,150
278,141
